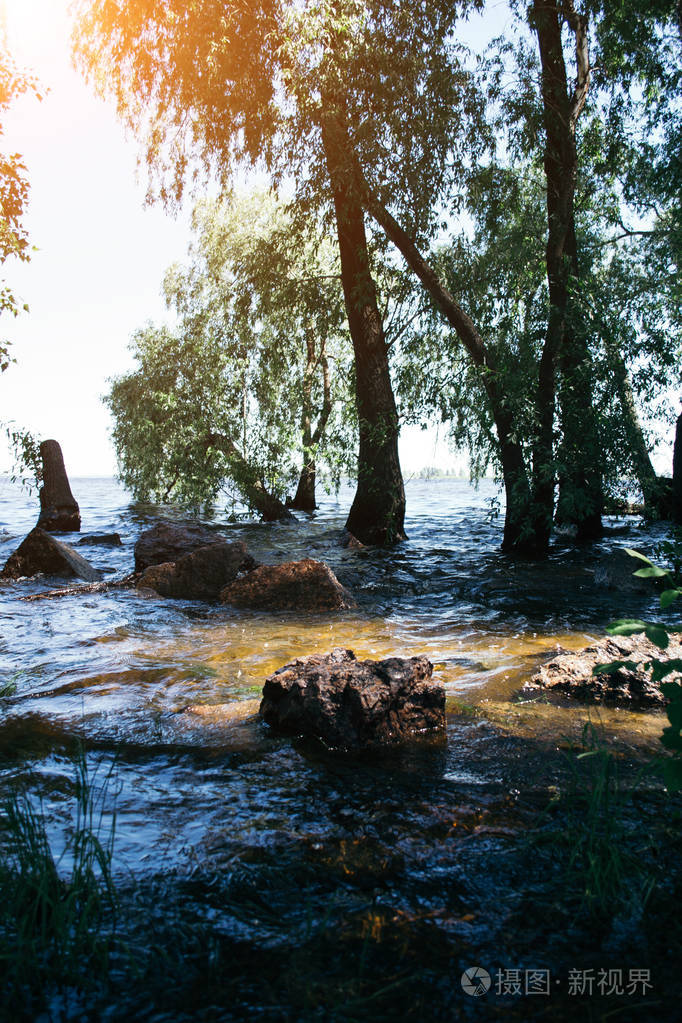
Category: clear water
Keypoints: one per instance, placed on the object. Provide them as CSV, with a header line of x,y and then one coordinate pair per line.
x,y
170,689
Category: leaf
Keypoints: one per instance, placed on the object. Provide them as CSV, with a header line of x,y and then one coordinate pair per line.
x,y
672,772
625,627
636,554
672,690
672,740
658,635
662,668
651,572
612,666
674,712
668,596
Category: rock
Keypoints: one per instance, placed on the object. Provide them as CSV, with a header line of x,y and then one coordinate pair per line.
x,y
354,703
59,512
101,540
168,541
199,575
41,553
570,674
350,542
293,586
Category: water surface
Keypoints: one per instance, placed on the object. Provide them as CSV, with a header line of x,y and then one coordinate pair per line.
x,y
170,688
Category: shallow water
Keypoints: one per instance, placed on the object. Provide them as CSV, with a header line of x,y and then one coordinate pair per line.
x,y
170,689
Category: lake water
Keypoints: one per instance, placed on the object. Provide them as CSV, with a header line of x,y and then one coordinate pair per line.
x,y
169,689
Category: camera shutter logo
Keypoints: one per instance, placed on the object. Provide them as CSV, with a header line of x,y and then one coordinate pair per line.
x,y
476,981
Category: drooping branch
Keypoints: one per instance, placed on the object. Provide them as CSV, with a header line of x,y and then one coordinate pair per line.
x,y
265,503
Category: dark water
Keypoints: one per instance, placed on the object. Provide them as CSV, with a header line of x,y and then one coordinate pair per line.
x,y
170,688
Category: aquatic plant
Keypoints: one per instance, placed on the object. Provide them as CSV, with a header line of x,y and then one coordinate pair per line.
x,y
592,839
53,938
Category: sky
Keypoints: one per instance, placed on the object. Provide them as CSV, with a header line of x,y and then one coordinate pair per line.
x,y
100,255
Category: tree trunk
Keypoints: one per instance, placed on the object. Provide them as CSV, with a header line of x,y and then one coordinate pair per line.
x,y
378,511
581,497
520,522
304,498
677,473
641,460
59,511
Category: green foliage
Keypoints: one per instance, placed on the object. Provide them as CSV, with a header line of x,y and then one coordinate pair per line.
x,y
445,142
253,380
658,634
28,464
52,913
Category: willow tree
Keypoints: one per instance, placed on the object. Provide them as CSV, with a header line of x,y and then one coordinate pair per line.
x,y
210,85
248,391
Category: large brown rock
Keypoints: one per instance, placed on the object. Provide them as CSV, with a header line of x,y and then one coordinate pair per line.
x,y
59,512
292,586
199,575
570,674
169,541
41,553
352,703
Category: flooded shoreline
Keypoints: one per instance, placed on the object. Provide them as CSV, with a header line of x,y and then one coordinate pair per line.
x,y
265,843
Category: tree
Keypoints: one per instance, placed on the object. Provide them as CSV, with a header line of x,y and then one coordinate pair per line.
x,y
259,353
524,418
212,84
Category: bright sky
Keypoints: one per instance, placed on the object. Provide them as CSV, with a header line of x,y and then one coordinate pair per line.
x,y
100,255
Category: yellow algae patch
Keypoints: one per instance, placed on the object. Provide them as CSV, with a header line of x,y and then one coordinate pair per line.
x,y
233,711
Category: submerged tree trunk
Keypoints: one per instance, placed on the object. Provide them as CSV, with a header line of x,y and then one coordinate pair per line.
x,y
581,497
677,473
520,533
59,511
377,514
304,498
652,492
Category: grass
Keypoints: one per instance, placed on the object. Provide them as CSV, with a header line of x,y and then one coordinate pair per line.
x,y
597,834
55,919
8,685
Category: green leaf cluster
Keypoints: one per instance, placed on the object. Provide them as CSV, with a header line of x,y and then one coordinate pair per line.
x,y
659,634
229,397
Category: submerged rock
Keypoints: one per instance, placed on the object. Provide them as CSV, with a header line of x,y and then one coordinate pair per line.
x,y
41,553
293,586
351,542
570,674
354,703
199,575
101,540
169,541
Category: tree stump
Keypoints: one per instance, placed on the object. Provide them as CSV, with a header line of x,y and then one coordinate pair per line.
x,y
59,511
